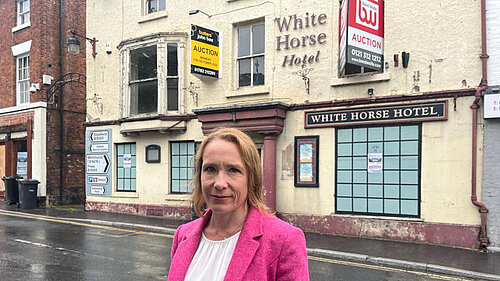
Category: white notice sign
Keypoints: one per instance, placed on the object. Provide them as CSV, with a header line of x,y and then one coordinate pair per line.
x,y
99,136
97,164
374,162
492,106
127,160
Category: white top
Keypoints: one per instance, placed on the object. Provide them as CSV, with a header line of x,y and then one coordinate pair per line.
x,y
211,259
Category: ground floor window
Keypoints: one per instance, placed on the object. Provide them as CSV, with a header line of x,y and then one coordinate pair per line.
x,y
181,166
126,167
378,170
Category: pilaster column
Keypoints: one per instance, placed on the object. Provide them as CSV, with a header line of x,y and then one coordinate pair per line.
x,y
269,171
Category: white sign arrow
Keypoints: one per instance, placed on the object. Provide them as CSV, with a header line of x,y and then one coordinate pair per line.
x,y
99,136
100,190
97,164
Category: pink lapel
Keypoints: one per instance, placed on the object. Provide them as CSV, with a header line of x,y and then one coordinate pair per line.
x,y
187,248
246,247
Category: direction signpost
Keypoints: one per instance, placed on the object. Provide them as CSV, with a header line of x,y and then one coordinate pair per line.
x,y
98,163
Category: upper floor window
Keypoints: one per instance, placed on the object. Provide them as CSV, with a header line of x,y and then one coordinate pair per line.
x,y
250,59
154,6
23,12
151,81
22,79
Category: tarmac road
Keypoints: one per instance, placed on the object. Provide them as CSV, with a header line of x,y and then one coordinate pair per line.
x,y
51,249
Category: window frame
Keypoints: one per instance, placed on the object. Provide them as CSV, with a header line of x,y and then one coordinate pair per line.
x,y
250,56
147,4
20,80
21,15
383,184
161,40
117,187
189,165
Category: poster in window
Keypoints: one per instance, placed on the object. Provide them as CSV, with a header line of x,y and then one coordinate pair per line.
x,y
306,168
22,164
374,163
127,160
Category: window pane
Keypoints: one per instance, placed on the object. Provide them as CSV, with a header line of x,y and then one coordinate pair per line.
x,y
258,39
359,190
344,177
391,148
143,97
143,63
359,149
360,134
391,206
243,41
376,147
409,162
344,190
161,5
391,177
359,176
409,147
344,135
258,71
344,163
391,162
344,149
375,134
391,191
360,204
172,63
375,205
360,162
344,204
409,177
391,133
375,177
409,207
409,191
152,6
172,94
244,72
409,133
374,190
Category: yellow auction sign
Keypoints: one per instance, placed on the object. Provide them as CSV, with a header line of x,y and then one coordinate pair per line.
x,y
204,51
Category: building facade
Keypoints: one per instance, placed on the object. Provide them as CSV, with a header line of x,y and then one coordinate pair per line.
x,y
491,180
361,110
35,142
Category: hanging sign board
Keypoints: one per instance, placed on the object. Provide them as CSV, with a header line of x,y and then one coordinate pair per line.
x,y
361,34
205,53
98,163
492,106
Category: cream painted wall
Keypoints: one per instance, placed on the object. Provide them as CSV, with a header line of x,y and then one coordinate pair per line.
x,y
443,40
39,150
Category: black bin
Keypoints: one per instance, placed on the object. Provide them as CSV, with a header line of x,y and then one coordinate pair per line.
x,y
28,193
11,189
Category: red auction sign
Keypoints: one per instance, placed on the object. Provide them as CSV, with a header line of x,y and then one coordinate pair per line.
x,y
363,33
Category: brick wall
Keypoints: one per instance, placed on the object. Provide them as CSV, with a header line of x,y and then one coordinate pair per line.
x,y
45,59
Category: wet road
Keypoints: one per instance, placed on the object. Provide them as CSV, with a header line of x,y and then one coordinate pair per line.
x,y
34,249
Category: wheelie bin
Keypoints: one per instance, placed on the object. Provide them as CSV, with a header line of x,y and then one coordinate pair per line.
x,y
28,193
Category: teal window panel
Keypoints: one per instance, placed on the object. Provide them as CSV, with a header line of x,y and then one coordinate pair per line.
x,y
360,205
377,147
375,178
183,148
133,161
344,135
126,172
359,190
375,190
344,149
344,163
344,204
391,177
391,206
183,173
175,148
190,148
360,162
409,191
409,147
175,185
120,149
391,133
359,149
359,176
409,177
391,148
409,207
132,184
344,189
375,205
120,184
409,162
360,134
409,133
120,172
376,134
391,162
190,159
344,177
120,161
175,173
190,173
126,149
127,184
391,191
176,161
183,161
133,173
132,149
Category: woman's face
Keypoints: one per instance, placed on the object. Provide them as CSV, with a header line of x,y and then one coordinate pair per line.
x,y
224,178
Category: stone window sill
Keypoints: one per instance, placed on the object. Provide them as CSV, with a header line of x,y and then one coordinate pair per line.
x,y
19,27
125,194
248,91
380,77
153,16
177,197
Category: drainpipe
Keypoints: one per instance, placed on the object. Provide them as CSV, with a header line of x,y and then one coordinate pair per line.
x,y
61,121
483,238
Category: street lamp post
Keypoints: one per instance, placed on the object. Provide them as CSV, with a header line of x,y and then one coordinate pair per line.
x,y
74,45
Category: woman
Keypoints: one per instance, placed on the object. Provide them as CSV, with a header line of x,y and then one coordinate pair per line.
x,y
236,238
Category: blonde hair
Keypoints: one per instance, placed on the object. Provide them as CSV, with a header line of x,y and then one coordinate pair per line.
x,y
249,156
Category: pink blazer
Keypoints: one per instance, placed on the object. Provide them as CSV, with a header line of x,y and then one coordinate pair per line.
x,y
267,249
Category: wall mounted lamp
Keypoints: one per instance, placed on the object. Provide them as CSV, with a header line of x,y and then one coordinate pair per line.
x,y
194,12
405,57
74,45
34,87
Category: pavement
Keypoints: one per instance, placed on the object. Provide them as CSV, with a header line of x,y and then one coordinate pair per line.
x,y
457,262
